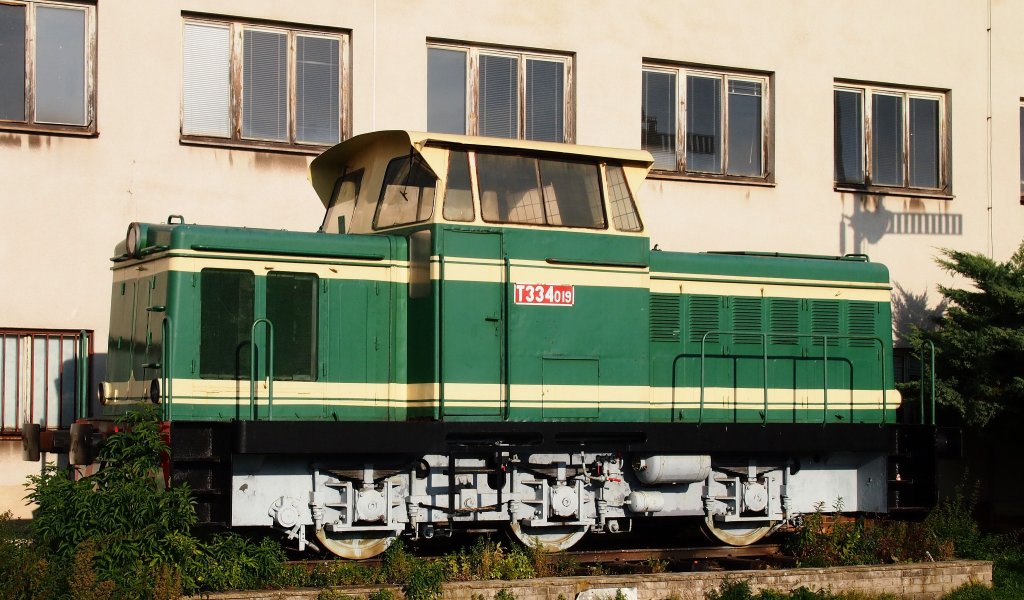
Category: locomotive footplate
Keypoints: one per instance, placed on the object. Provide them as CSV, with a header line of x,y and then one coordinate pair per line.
x,y
318,438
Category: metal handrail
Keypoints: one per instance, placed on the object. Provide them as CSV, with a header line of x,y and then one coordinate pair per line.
x,y
764,347
253,369
83,374
166,381
931,377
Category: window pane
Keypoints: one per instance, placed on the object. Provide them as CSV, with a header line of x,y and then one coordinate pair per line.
x,y
60,65
292,308
1022,152
225,323
572,194
744,128
12,62
849,141
446,91
407,195
703,124
658,119
205,88
887,140
499,97
344,202
316,89
623,208
458,195
509,189
545,98
924,142
265,85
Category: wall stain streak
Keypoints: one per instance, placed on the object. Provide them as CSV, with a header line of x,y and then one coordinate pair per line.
x,y
269,160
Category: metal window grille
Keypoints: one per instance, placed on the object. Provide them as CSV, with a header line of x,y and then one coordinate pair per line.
x,y
40,373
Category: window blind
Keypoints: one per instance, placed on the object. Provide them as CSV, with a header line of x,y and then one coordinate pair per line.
x,y
744,128
206,85
498,108
658,118
849,143
60,65
265,85
703,124
12,62
924,142
545,100
887,139
316,94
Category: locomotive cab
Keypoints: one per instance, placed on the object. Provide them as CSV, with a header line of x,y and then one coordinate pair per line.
x,y
528,264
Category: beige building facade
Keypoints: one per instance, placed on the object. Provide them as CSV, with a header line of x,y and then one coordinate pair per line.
x,y
872,127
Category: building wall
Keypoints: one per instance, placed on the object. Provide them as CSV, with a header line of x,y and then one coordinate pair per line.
x,y
67,200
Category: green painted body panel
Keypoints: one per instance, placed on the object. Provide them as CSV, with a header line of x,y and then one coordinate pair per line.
x,y
620,353
354,341
766,265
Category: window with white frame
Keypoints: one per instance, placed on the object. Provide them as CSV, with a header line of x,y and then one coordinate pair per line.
x,y
47,66
499,93
724,118
263,85
890,139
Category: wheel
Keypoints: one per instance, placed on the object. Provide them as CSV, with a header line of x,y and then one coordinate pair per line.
x,y
549,539
743,533
356,545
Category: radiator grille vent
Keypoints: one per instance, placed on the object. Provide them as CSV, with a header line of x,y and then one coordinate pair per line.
x,y
664,318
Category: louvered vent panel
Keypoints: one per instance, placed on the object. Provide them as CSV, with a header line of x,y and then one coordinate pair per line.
x,y
664,318
784,317
746,316
862,322
825,320
704,317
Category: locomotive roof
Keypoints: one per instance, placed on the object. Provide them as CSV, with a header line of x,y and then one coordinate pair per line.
x,y
323,171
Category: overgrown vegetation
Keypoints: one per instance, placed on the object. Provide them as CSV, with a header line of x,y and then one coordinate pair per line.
x,y
949,531
979,340
741,590
119,534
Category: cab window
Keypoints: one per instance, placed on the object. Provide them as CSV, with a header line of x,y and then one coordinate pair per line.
x,y
407,195
532,191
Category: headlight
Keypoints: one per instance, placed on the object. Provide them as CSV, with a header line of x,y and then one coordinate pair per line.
x,y
133,240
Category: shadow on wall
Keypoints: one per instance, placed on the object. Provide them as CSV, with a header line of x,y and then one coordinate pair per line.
x,y
910,310
871,217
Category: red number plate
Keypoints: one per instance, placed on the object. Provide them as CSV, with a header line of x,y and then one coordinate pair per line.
x,y
542,293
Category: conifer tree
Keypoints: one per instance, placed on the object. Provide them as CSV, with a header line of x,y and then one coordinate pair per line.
x,y
979,341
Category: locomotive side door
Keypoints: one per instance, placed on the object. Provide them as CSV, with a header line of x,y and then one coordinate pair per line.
x,y
472,328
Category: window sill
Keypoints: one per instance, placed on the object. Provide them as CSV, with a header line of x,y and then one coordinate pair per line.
x,y
86,131
726,179
253,145
893,191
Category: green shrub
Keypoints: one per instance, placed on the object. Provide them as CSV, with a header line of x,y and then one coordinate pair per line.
x,y
487,559
120,534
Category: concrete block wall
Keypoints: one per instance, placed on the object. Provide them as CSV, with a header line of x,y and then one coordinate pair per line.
x,y
920,581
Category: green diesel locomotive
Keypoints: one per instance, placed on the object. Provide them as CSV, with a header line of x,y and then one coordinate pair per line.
x,y
479,337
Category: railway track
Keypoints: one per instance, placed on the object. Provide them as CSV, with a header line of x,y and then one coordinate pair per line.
x,y
754,556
